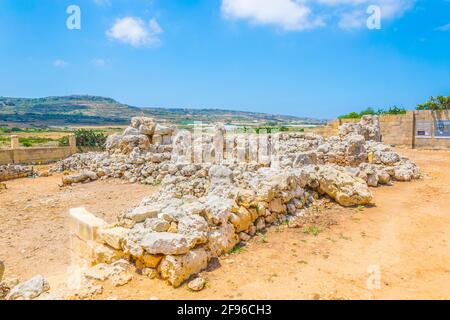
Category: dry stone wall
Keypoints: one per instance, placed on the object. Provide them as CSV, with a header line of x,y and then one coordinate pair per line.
x,y
13,171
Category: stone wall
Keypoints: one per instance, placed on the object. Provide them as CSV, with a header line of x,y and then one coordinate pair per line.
x,y
401,130
17,155
398,130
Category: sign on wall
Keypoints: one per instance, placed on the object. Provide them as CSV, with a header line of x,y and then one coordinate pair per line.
x,y
442,128
423,129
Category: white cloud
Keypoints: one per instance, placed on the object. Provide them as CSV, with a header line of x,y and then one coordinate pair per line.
x,y
352,14
287,14
352,20
445,27
303,14
99,62
136,32
102,2
60,63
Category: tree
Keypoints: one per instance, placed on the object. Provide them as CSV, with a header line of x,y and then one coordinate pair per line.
x,y
436,103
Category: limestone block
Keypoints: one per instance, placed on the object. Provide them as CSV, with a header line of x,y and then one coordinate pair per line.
x,y
176,269
113,237
84,224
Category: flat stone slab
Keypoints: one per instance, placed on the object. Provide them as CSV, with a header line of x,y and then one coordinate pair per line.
x,y
84,224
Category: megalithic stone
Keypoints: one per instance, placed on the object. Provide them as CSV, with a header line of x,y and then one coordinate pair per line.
x,y
219,142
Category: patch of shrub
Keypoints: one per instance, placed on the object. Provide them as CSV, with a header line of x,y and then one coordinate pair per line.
x,y
370,111
90,138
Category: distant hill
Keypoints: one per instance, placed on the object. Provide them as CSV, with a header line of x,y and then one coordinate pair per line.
x,y
94,110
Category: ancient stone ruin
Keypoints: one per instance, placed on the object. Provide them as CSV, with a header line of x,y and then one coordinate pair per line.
x,y
219,189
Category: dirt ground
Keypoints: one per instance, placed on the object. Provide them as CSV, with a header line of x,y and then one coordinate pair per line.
x,y
403,240
34,229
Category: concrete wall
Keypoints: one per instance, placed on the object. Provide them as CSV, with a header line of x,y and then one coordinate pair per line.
x,y
401,130
19,155
398,130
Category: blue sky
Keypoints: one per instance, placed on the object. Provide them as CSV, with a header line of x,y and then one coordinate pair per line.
x,y
300,57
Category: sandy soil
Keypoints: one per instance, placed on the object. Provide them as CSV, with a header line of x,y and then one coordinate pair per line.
x,y
34,228
405,235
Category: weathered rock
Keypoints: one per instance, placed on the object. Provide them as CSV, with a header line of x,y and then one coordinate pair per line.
x,y
177,269
164,130
241,219
222,239
78,178
343,187
372,180
244,236
130,131
113,237
403,174
157,224
117,272
30,289
389,158
195,227
165,243
260,224
368,127
197,284
105,254
383,177
112,142
150,273
142,213
150,260
218,210
276,205
356,151
220,175
305,158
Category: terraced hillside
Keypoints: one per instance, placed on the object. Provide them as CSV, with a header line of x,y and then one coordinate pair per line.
x,y
95,110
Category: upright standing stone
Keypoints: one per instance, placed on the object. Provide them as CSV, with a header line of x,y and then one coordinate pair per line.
x,y
219,142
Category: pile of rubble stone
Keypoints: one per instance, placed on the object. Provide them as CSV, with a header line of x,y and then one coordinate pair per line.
x,y
205,208
15,171
137,155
